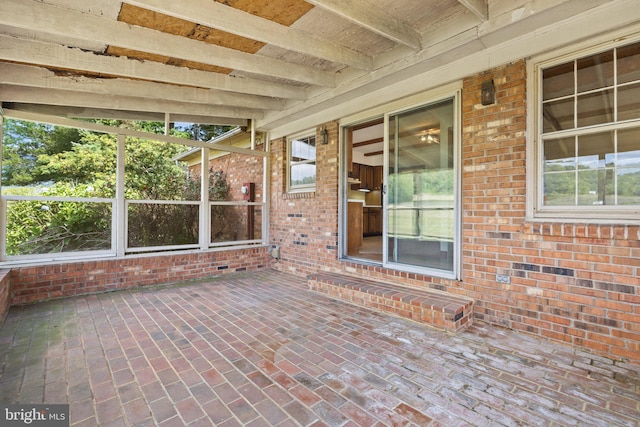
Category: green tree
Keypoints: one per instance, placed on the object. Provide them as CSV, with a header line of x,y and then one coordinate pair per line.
x,y
90,161
150,174
37,227
437,181
200,132
82,164
23,144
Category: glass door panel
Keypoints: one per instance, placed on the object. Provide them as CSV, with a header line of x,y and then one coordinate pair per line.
x,y
421,188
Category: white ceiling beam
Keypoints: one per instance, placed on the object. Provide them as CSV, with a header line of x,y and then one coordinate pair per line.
x,y
368,16
108,8
29,14
478,7
553,26
23,94
102,113
97,127
56,56
25,75
222,17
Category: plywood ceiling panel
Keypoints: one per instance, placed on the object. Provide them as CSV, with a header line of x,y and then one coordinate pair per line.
x,y
284,12
149,19
302,56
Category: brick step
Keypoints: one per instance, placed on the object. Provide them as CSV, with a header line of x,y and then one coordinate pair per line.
x,y
442,311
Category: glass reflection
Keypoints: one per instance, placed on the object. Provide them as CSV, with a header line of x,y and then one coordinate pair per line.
x,y
421,200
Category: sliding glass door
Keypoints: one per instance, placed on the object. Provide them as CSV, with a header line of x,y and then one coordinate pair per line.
x,y
421,215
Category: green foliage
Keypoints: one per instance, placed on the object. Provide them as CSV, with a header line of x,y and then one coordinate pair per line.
x,y
401,188
158,225
410,186
22,191
198,132
193,131
91,160
24,142
218,186
59,162
439,181
222,217
593,186
629,185
35,227
307,180
150,174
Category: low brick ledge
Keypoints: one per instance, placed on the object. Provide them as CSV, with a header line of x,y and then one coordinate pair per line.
x,y
442,311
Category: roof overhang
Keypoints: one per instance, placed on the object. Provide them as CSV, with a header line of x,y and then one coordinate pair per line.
x,y
286,64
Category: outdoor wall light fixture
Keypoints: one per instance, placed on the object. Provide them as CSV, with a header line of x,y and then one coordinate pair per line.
x,y
488,93
324,136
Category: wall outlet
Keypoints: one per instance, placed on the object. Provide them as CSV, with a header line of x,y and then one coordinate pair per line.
x,y
503,278
274,251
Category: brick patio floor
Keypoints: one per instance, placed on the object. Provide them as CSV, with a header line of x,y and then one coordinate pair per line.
x,y
260,349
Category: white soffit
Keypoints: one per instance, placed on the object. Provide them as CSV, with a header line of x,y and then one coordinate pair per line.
x,y
510,37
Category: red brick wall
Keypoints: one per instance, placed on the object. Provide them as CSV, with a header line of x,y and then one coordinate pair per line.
x,y
305,225
5,302
581,286
494,188
239,168
242,168
573,283
30,284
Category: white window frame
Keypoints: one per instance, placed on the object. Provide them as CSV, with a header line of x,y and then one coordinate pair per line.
x,y
302,188
119,222
452,90
455,272
536,210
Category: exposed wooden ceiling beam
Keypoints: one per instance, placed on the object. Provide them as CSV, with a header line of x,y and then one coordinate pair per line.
x,y
25,75
226,18
22,94
103,113
61,57
108,8
478,7
359,126
29,14
369,142
370,17
373,153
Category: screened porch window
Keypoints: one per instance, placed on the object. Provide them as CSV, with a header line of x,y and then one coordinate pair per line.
x,y
101,191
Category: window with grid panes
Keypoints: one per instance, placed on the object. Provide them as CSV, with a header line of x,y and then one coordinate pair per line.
x,y
301,153
589,124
